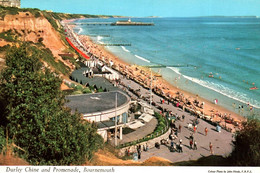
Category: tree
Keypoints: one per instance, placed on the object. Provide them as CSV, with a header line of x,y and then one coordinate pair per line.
x,y
247,145
35,116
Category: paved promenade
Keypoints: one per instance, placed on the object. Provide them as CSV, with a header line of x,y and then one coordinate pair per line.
x,y
221,141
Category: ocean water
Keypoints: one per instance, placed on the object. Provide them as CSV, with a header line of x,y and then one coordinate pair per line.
x,y
229,48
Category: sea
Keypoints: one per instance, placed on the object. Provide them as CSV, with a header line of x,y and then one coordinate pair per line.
x,y
213,57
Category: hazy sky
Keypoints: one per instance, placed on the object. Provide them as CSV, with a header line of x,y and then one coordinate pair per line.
x,y
142,8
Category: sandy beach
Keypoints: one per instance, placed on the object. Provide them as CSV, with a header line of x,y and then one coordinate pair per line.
x,y
142,75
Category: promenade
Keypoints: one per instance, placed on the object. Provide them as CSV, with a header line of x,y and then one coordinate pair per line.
x,y
221,141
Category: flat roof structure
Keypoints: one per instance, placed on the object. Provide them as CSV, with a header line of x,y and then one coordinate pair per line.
x,y
99,106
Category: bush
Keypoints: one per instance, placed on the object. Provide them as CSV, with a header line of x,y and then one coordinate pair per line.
x,y
2,139
247,145
78,87
162,124
76,92
32,110
100,90
86,90
9,36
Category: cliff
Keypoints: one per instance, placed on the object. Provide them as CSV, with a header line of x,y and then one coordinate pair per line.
x,y
35,28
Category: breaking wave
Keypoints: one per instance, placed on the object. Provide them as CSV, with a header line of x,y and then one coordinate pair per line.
x,y
235,95
146,60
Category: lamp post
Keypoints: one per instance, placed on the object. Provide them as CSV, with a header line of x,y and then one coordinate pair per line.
x,y
151,86
225,120
115,120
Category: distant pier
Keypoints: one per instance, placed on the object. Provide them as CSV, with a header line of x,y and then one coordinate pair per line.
x,y
91,35
131,24
116,44
94,23
118,23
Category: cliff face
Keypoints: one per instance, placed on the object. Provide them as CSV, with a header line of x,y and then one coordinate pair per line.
x,y
36,30
32,29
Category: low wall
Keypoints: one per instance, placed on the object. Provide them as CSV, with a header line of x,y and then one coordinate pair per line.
x,y
150,143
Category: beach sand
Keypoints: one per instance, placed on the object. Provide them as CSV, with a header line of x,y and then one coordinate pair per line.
x,y
142,75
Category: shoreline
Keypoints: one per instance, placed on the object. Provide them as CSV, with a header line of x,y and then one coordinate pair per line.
x,y
143,74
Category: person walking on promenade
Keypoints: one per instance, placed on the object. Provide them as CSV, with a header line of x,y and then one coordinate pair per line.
x,y
195,145
191,143
179,148
194,129
191,136
176,132
139,151
147,148
206,131
211,148
183,117
179,128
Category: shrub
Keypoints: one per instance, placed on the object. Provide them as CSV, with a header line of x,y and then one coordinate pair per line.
x,y
247,145
2,139
86,90
32,111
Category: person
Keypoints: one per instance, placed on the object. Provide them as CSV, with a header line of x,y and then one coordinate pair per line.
x,y
183,117
179,128
191,143
176,132
195,145
211,148
180,141
139,153
172,143
194,129
206,131
147,147
191,137
180,148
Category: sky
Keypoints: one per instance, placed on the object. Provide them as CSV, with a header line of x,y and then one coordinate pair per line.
x,y
144,8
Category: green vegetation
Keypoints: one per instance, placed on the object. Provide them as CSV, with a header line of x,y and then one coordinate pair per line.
x,y
33,116
13,11
9,36
2,139
4,48
160,129
247,145
50,18
46,55
79,89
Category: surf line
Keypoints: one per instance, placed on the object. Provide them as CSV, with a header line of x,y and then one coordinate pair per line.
x,y
212,87
146,60
126,50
